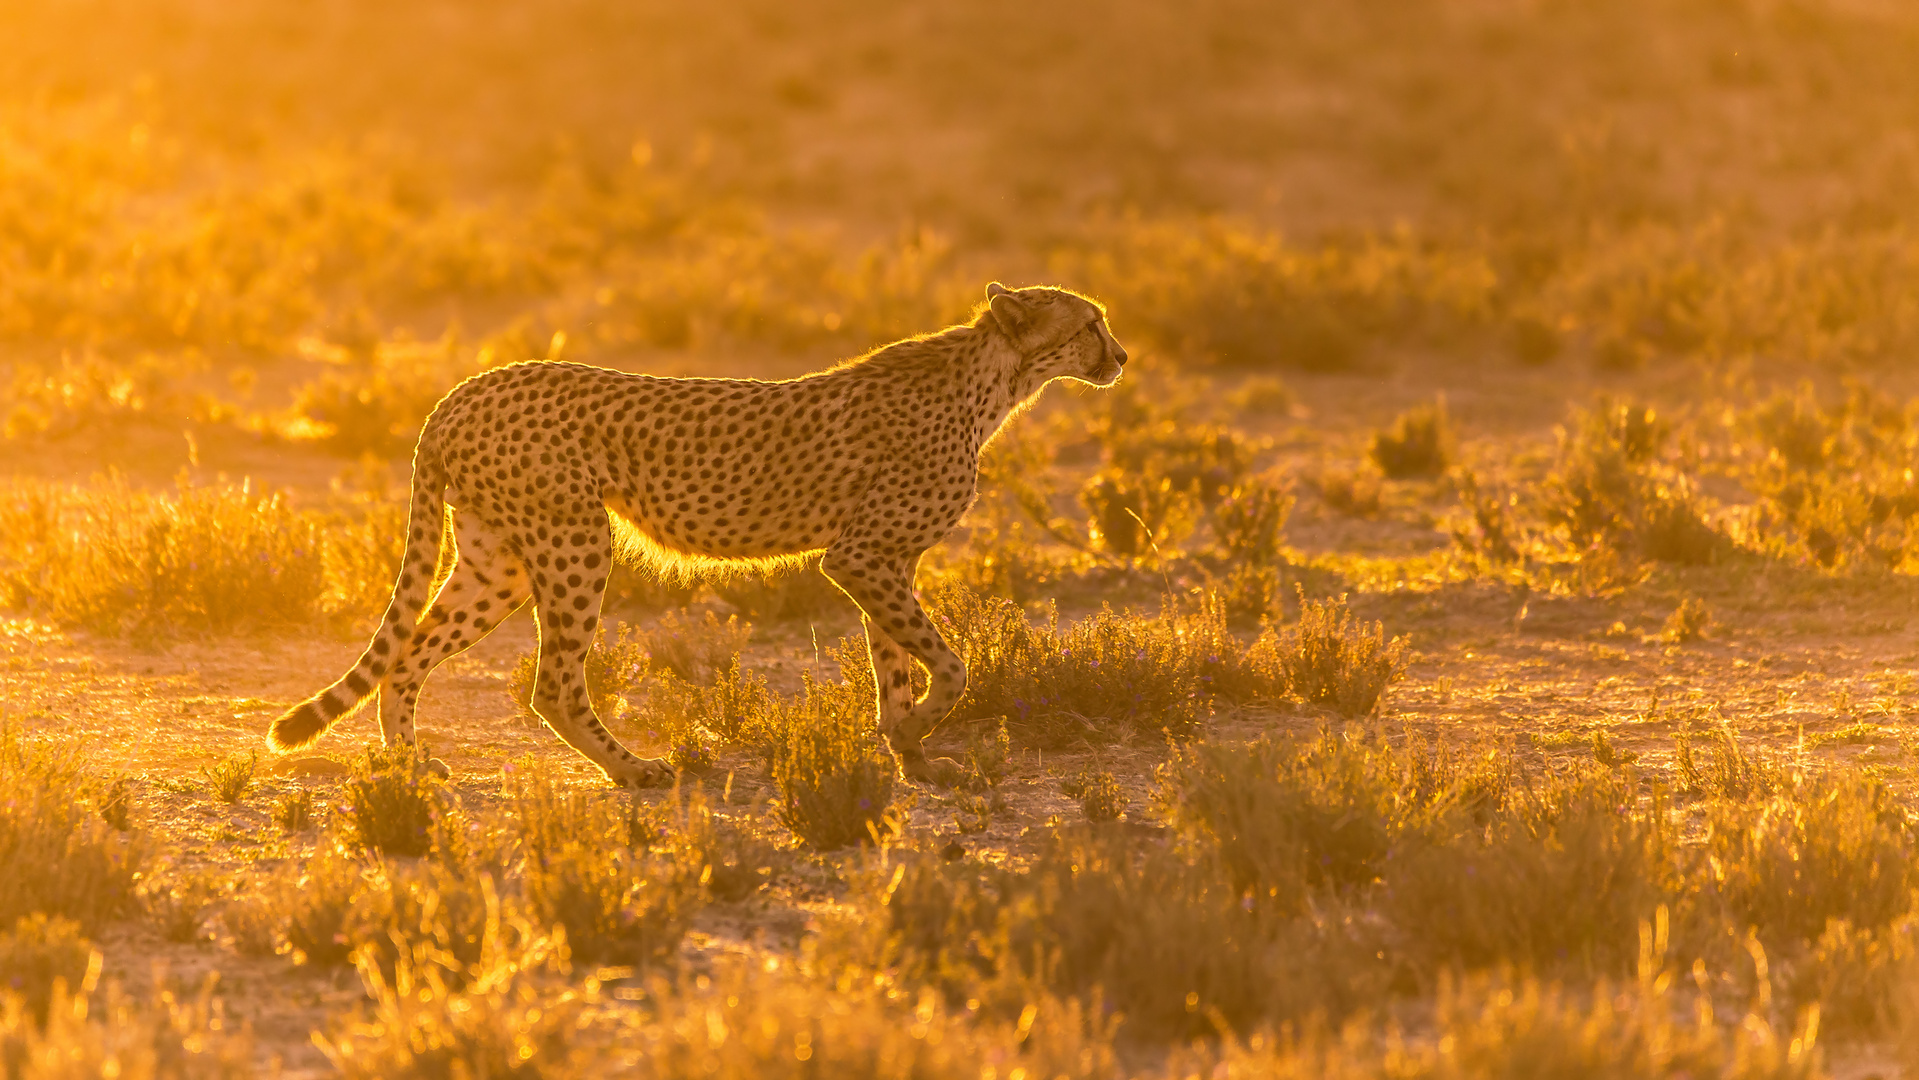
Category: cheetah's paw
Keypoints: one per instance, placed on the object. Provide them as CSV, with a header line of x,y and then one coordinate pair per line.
x,y
943,771
647,773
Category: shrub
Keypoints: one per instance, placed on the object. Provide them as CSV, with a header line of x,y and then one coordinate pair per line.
x,y
1731,772
697,651
614,670
1506,1025
748,1024
1495,533
230,777
792,593
1240,296
619,904
1609,489
293,811
40,952
1419,443
1282,816
1557,880
1201,461
1332,659
738,706
177,899
508,1014
205,559
1140,518
1100,796
116,803
1098,678
375,401
835,781
314,904
1835,482
105,1033
1167,943
1355,492
989,754
392,802
1687,623
1825,850
61,858
1249,523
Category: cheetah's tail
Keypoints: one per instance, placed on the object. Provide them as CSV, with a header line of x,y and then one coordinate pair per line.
x,y
426,511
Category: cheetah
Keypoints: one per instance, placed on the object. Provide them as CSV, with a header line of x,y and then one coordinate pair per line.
x,y
541,472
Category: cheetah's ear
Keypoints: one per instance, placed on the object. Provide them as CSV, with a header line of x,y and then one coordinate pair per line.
x,y
1017,317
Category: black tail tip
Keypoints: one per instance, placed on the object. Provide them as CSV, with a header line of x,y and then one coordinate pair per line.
x,y
296,728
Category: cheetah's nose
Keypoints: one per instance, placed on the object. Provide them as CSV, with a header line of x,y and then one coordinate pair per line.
x,y
1119,356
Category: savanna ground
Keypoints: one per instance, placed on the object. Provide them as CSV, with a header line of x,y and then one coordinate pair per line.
x,y
1475,639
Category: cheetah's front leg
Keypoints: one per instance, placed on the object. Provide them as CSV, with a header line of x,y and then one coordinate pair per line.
x,y
883,590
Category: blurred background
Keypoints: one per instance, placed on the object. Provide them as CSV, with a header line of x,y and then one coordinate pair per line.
x,y
288,228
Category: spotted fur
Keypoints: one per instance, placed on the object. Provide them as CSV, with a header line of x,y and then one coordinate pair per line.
x,y
550,467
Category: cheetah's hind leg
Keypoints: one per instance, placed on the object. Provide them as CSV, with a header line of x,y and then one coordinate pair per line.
x,y
487,584
567,593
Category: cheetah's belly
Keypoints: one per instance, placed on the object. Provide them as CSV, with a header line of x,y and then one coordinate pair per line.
x,y
743,513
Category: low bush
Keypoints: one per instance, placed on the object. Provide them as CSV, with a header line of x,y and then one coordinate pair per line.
x,y
1419,443
1505,1024
1822,851
206,559
61,857
697,650
392,802
201,559
1101,678
620,904
103,1032
1167,943
229,778
1611,488
1249,523
293,811
177,899
834,775
789,594
1244,297
508,1014
737,707
1557,880
39,953
1331,659
1687,623
1138,518
1099,795
615,669
1835,481
1354,492
749,1024
1730,770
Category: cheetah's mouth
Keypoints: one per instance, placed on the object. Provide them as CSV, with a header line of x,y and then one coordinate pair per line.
x,y
1107,373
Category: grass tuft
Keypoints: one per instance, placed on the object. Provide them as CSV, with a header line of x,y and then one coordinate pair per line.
x,y
229,778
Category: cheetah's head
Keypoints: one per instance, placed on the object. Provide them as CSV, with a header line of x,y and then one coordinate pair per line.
x,y
1058,334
